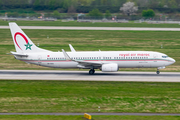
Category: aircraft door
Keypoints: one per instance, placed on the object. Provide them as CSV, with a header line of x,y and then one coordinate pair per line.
x,y
155,57
39,59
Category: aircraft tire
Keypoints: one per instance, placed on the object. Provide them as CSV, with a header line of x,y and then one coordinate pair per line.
x,y
91,72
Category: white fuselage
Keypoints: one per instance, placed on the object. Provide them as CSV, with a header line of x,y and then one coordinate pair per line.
x,y
124,59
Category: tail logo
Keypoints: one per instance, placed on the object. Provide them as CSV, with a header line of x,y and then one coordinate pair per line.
x,y
28,46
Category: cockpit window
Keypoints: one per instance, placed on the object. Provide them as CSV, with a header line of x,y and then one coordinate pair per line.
x,y
164,56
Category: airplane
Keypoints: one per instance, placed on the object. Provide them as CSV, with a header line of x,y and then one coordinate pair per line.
x,y
106,61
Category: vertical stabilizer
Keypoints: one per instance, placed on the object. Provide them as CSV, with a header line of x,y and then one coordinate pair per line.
x,y
22,42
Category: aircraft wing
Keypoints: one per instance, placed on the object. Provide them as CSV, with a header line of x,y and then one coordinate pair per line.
x,y
82,63
87,63
19,54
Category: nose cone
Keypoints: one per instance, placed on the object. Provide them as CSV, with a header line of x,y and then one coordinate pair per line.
x,y
172,60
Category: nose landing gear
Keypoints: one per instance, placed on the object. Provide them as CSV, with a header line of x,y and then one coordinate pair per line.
x,y
91,71
157,71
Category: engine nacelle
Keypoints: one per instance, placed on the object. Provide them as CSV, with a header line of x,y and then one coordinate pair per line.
x,y
111,67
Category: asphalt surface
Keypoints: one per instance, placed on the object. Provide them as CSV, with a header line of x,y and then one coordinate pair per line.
x,y
84,75
95,28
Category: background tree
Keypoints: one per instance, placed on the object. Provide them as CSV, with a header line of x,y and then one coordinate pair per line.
x,y
56,14
107,14
142,3
84,6
52,4
148,13
153,3
66,4
95,13
173,3
71,9
84,2
36,4
129,8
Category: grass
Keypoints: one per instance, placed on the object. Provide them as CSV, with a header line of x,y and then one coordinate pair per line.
x,y
100,117
79,96
83,40
88,24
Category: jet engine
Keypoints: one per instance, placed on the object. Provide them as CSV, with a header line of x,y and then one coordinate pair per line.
x,y
111,67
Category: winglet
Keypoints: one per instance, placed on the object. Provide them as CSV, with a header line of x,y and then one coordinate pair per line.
x,y
72,49
66,55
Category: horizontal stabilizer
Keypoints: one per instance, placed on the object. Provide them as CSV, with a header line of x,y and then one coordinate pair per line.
x,y
19,54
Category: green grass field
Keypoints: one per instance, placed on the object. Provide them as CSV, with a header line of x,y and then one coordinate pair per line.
x,y
83,40
100,117
88,24
79,96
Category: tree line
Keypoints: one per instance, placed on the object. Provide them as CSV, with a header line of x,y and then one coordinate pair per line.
x,y
73,6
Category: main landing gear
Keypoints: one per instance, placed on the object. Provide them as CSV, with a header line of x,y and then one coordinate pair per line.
x,y
91,71
157,71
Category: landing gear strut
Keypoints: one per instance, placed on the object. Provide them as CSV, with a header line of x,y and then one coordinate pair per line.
x,y
91,71
157,71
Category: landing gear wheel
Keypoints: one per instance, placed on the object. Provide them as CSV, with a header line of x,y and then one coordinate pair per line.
x,y
91,72
157,72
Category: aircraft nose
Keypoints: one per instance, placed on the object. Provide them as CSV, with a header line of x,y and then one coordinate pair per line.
x,y
173,60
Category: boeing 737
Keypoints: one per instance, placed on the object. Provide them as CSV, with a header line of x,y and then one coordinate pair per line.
x,y
106,61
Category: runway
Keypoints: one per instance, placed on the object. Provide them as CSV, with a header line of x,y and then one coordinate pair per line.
x,y
84,76
95,28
